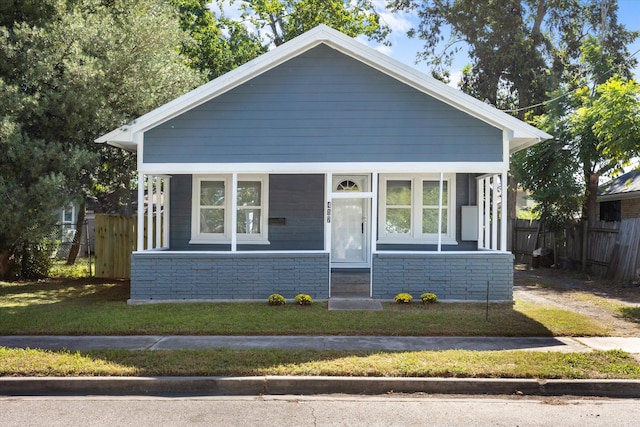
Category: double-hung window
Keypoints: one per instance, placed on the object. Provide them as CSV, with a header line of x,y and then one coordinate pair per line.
x,y
409,209
211,209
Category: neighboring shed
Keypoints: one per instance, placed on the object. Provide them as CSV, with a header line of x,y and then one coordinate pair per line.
x,y
323,155
620,198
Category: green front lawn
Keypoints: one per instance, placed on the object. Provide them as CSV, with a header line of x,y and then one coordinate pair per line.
x,y
89,306
225,362
97,307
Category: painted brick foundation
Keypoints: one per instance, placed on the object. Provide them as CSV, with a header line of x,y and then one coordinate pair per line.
x,y
227,276
450,275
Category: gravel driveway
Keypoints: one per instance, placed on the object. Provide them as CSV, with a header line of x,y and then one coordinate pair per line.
x,y
596,298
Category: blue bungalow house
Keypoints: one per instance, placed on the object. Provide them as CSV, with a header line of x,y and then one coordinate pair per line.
x,y
322,155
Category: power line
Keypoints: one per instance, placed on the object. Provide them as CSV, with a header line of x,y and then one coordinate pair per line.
x,y
516,110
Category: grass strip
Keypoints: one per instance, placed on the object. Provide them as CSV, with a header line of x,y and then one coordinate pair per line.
x,y
226,362
94,307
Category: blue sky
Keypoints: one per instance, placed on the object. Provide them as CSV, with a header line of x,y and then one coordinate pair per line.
x,y
404,49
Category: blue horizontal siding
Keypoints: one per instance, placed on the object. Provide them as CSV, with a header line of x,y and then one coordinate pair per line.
x,y
323,106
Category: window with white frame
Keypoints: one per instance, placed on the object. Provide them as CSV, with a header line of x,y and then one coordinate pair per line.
x,y
211,209
409,209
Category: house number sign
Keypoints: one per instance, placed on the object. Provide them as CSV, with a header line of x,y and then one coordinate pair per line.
x,y
328,212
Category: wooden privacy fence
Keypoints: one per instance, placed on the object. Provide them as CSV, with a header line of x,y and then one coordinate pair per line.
x,y
115,239
612,251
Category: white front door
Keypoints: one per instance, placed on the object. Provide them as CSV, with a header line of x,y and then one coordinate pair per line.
x,y
349,228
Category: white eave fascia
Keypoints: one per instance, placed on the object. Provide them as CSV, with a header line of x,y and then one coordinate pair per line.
x,y
619,196
524,135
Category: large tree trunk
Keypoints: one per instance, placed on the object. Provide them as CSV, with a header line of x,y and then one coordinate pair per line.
x,y
77,238
591,202
590,215
5,264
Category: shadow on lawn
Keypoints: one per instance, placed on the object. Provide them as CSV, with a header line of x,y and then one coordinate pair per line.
x,y
90,306
59,290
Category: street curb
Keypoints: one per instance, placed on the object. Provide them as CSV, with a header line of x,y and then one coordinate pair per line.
x,y
280,385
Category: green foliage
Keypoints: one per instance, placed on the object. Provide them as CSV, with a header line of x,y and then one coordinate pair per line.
x,y
287,19
616,119
429,298
217,44
69,72
303,299
276,299
33,260
79,269
520,50
403,298
596,131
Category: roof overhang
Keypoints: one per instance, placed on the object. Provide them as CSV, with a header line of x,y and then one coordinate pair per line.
x,y
522,135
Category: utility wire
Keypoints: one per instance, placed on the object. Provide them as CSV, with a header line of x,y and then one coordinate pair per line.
x,y
549,101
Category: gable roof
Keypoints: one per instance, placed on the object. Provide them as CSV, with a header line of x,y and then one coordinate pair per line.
x,y
522,135
623,187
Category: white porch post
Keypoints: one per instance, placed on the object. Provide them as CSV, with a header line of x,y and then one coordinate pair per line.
x,y
234,211
494,213
440,214
504,212
480,198
150,212
140,245
374,227
487,213
157,194
165,211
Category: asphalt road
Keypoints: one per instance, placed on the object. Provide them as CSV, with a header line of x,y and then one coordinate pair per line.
x,y
301,411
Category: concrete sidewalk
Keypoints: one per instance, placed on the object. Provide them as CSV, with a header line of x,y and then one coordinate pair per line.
x,y
391,343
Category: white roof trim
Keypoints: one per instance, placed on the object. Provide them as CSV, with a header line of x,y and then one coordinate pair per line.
x,y
524,135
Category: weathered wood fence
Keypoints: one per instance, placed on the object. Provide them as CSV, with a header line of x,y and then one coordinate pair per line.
x,y
115,239
612,250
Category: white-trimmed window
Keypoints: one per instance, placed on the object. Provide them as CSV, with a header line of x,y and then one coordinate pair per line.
x,y
409,209
211,209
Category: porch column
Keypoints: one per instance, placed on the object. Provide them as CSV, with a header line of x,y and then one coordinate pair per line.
x,y
166,192
440,214
504,212
140,244
487,213
480,198
157,195
494,212
150,198
234,211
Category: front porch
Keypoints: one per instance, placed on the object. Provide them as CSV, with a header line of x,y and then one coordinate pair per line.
x,y
317,230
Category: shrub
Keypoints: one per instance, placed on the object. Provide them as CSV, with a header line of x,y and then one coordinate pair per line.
x,y
403,298
276,299
428,298
303,299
